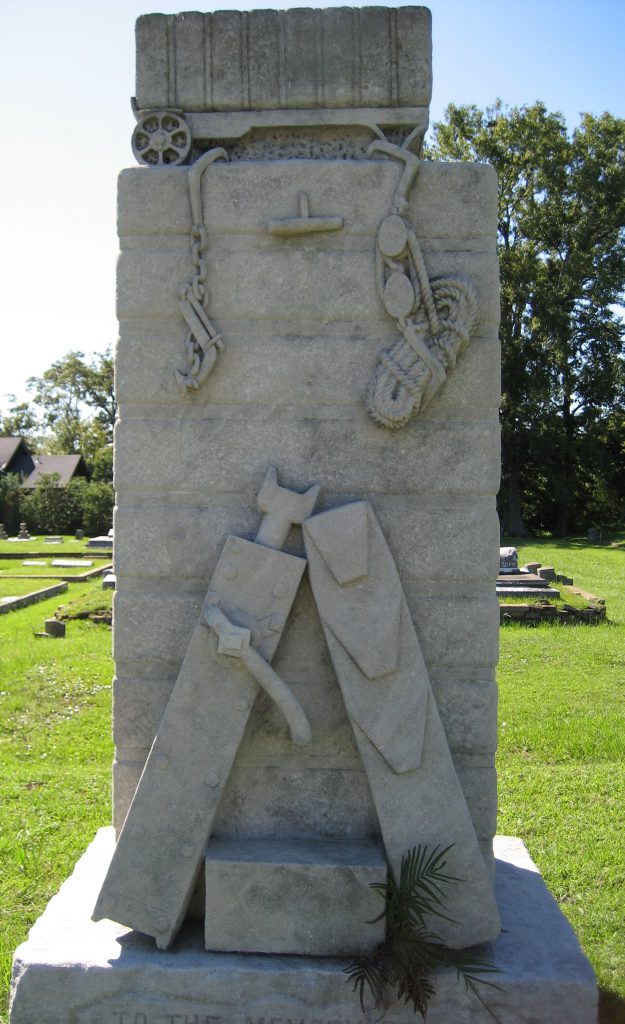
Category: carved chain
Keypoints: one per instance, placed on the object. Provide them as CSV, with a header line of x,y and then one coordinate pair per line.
x,y
203,342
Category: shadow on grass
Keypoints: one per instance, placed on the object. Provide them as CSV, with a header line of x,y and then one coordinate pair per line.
x,y
611,1007
566,543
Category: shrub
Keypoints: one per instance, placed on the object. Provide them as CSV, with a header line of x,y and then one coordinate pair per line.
x,y
98,499
48,508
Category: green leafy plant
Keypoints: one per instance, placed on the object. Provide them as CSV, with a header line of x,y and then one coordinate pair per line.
x,y
403,966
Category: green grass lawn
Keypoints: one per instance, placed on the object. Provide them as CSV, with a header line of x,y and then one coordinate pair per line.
x,y
561,759
560,762
16,587
51,572
55,751
69,545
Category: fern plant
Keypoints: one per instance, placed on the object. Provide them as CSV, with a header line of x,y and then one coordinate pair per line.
x,y
403,966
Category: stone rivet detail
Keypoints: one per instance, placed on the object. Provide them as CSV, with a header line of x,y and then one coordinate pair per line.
x,y
229,571
280,589
399,295
186,849
277,622
212,780
393,236
242,704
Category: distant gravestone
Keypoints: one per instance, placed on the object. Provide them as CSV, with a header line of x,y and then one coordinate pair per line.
x,y
54,627
23,533
508,560
3,534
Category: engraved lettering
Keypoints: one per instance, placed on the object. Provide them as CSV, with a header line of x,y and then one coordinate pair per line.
x,y
141,1018
119,1017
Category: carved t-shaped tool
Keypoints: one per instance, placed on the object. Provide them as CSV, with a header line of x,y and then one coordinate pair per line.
x,y
169,823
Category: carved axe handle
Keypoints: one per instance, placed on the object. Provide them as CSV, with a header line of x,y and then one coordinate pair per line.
x,y
283,509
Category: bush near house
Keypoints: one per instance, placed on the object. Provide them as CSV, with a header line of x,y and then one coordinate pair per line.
x,y
48,508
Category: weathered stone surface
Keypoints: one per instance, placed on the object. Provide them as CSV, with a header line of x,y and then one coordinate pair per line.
x,y
290,367
344,453
153,624
456,202
293,896
261,284
92,973
428,540
228,60
387,693
161,845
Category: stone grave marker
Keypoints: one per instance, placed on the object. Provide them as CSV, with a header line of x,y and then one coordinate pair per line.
x,y
308,444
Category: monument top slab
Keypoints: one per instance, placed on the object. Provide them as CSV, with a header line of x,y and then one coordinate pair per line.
x,y
293,59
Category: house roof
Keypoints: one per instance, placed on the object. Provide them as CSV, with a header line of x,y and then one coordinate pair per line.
x,y
67,466
8,449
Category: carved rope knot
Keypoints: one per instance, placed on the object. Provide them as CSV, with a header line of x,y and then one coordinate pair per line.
x,y
435,317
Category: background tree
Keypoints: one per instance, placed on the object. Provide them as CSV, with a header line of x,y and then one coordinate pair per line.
x,y
561,233
21,421
48,508
78,408
10,485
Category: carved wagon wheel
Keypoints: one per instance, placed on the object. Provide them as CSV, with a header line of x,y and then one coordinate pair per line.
x,y
161,137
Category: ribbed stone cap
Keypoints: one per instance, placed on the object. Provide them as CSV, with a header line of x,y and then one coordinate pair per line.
x,y
295,59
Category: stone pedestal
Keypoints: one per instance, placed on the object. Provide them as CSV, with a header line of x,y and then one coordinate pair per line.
x,y
72,970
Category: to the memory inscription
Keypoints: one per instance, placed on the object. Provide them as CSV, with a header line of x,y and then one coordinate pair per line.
x,y
176,1017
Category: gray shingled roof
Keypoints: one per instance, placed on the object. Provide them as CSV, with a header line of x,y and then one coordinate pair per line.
x,y
8,448
67,466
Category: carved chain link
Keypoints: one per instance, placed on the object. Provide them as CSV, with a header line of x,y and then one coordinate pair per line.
x,y
203,342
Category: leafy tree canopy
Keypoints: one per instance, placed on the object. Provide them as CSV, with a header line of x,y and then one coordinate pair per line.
x,y
73,411
561,233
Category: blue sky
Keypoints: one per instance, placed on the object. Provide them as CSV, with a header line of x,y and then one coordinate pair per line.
x,y
66,77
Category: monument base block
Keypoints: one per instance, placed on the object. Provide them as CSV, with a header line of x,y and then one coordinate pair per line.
x,y
279,896
73,970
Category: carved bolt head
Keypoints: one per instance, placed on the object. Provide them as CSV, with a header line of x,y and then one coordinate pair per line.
x,y
158,140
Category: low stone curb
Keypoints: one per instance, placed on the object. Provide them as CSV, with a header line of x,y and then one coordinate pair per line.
x,y
99,570
37,595
548,612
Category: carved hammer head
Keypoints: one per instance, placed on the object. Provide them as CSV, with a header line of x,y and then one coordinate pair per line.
x,y
282,509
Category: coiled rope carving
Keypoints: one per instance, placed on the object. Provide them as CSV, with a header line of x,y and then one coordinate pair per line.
x,y
435,317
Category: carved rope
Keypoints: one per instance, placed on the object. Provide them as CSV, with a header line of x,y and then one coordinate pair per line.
x,y
435,317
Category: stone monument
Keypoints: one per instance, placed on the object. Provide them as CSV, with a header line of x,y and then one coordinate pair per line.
x,y
308,445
